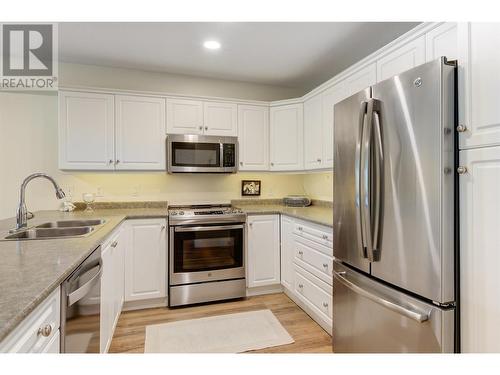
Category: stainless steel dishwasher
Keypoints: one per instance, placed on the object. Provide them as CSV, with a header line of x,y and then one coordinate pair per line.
x,y
80,307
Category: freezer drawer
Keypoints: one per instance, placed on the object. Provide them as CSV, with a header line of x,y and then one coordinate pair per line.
x,y
369,317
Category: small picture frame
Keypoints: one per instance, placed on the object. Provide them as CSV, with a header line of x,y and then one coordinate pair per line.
x,y
250,188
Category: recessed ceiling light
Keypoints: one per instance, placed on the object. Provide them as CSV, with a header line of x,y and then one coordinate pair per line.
x,y
211,44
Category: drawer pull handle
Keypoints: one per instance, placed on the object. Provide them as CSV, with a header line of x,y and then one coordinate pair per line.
x,y
301,286
325,237
325,265
45,331
299,228
114,244
301,253
325,304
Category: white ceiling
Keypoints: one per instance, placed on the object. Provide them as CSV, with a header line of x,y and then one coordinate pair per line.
x,y
300,55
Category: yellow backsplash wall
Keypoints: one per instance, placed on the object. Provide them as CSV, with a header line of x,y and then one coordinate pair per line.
x,y
318,185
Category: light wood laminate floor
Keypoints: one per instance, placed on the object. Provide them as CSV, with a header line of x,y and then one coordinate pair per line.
x,y
308,335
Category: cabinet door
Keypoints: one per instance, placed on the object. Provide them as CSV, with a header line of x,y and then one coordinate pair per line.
x,y
253,137
184,116
313,132
263,250
220,119
442,41
140,133
479,250
330,97
406,57
361,79
146,259
86,131
287,252
478,84
107,298
119,245
286,141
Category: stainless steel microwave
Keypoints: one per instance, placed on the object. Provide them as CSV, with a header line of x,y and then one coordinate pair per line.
x,y
201,154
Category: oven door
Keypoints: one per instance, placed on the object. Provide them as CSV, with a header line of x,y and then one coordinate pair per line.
x,y
206,253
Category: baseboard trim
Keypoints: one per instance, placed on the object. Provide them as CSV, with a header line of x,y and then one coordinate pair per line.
x,y
268,289
145,304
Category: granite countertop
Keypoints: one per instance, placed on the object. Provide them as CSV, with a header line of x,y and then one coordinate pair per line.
x,y
31,269
319,214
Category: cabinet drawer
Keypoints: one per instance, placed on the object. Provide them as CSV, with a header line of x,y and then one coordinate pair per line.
x,y
27,337
314,292
313,260
314,233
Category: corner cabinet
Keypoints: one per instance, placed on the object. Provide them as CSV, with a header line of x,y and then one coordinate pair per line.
x,y
479,245
253,136
263,250
479,59
86,131
146,259
111,132
286,137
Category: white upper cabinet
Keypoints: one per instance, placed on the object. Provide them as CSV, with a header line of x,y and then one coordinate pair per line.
x,y
406,57
220,119
479,249
286,139
442,41
263,254
253,137
479,59
330,97
361,79
86,131
140,133
313,132
184,116
146,259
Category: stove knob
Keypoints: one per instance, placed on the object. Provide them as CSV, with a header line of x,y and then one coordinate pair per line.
x,y
173,213
181,213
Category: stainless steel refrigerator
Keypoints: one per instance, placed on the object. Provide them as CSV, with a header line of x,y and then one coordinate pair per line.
x,y
395,281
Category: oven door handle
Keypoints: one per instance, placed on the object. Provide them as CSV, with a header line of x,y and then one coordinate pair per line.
x,y
208,228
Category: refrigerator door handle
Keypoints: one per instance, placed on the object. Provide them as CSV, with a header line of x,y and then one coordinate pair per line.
x,y
415,315
377,176
360,230
365,182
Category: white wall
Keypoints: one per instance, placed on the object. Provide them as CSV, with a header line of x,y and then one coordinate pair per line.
x,y
77,75
28,144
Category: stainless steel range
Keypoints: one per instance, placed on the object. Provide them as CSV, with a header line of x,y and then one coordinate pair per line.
x,y
206,254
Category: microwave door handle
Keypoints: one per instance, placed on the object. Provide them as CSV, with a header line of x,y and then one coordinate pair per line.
x,y
221,156
357,183
209,228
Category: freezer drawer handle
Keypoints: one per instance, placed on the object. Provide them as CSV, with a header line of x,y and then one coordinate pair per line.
x,y
418,316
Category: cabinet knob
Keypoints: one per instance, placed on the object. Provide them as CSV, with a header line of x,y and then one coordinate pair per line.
x,y
272,164
301,253
318,160
301,286
461,128
462,170
110,161
114,244
162,228
45,331
241,163
201,127
299,228
325,304
206,127
325,265
250,224
325,237
117,161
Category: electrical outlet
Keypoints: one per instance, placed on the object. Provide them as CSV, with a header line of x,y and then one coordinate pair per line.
x,y
99,192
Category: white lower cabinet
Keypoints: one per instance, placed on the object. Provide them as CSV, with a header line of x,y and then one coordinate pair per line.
x,y
146,259
479,250
306,267
263,250
39,332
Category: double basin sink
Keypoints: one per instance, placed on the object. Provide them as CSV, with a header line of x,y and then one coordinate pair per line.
x,y
58,229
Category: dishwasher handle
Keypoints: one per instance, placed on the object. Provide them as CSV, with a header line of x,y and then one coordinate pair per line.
x,y
82,291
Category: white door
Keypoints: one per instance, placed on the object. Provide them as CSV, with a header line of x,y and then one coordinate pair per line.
x,y
361,79
86,131
313,132
253,137
107,298
331,97
286,140
263,250
479,250
140,133
146,259
442,41
287,252
184,116
220,119
479,81
406,57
